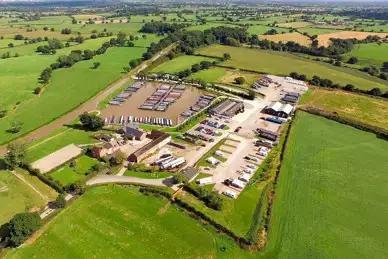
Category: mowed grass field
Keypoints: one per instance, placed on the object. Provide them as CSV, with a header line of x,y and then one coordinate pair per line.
x,y
119,222
370,111
67,175
370,54
281,63
180,63
68,89
331,193
16,196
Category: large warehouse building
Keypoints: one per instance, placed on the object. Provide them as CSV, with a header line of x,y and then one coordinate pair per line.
x,y
279,109
159,139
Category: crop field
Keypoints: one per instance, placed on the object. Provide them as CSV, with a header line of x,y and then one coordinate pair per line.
x,y
295,25
66,175
324,39
370,54
109,222
331,194
282,63
261,29
179,64
370,111
286,37
61,95
16,196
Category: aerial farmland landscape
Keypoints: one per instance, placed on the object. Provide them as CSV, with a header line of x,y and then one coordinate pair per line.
x,y
185,129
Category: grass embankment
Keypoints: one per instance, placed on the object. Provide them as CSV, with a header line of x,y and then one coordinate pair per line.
x,y
145,175
16,196
68,89
331,193
282,63
355,107
121,222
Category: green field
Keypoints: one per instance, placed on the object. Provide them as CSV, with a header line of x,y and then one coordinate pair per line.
x,y
370,111
66,174
62,95
179,64
16,196
370,54
261,29
282,63
331,194
120,222
209,75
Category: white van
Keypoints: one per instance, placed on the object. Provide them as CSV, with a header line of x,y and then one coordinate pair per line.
x,y
230,194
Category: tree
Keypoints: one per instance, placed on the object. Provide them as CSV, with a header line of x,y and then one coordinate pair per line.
x,y
16,126
96,65
88,54
385,65
117,159
16,154
178,178
19,37
133,63
239,80
10,45
91,121
75,188
226,57
353,60
60,202
375,91
21,227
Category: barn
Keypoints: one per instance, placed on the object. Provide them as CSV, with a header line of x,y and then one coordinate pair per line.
x,y
279,109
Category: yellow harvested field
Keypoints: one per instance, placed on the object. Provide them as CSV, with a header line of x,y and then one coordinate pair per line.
x,y
324,39
286,37
294,24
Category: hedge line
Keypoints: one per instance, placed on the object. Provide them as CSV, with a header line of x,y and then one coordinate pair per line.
x,y
43,178
380,132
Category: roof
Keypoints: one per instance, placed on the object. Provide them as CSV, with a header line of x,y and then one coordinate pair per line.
x,y
190,173
280,107
133,130
157,137
275,106
286,108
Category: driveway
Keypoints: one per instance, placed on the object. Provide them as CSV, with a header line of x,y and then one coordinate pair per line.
x,y
127,179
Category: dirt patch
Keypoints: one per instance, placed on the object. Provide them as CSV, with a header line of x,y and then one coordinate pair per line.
x,y
294,24
286,37
249,77
57,158
324,39
163,209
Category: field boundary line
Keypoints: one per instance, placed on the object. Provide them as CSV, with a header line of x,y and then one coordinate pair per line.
x,y
30,185
50,138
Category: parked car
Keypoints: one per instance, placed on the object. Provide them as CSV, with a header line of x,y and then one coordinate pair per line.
x,y
228,181
237,129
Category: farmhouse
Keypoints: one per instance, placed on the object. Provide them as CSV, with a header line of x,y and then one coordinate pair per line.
x,y
132,131
279,109
159,139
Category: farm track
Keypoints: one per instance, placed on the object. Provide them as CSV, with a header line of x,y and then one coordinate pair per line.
x,y
90,105
44,197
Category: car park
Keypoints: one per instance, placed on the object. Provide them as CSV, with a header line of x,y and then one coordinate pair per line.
x,y
230,194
